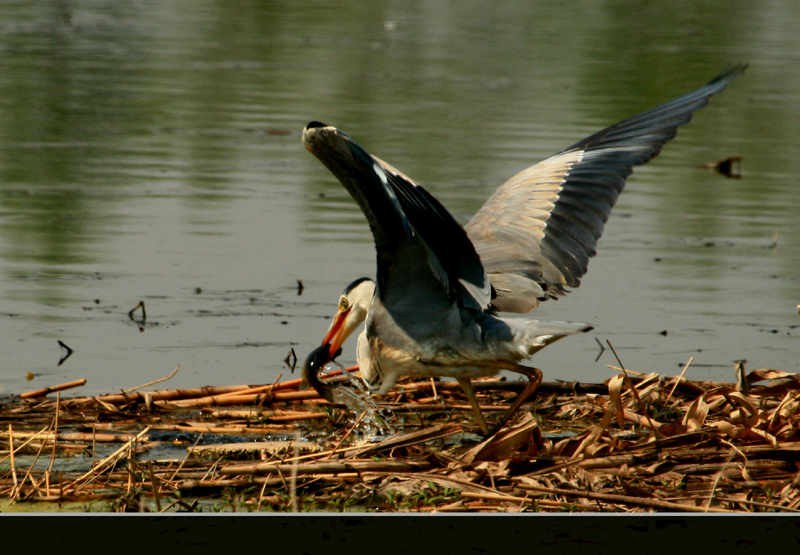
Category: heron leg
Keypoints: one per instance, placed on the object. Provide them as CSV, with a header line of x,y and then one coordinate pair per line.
x,y
466,385
535,378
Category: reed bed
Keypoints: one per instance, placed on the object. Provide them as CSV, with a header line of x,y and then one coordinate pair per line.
x,y
636,443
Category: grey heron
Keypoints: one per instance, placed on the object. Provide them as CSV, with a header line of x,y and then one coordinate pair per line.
x,y
433,309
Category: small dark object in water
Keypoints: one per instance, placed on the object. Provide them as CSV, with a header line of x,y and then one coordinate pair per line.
x,y
139,323
316,361
291,359
729,167
131,311
68,352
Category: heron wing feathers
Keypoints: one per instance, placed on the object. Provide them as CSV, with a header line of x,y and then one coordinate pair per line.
x,y
451,254
554,212
407,223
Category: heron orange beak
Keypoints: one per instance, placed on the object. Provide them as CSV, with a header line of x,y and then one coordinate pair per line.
x,y
336,334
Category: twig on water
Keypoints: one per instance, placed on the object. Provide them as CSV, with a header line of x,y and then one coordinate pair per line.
x,y
602,350
291,359
131,311
66,356
159,380
141,324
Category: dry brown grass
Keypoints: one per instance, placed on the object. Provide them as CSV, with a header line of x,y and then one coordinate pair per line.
x,y
635,444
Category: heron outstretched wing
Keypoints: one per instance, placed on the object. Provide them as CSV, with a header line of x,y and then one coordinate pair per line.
x,y
416,238
537,232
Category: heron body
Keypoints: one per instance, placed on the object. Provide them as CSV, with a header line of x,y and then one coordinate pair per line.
x,y
433,309
439,341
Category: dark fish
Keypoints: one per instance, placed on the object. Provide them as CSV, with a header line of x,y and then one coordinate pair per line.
x,y
316,361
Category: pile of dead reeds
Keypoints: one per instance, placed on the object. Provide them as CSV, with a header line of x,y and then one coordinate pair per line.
x,y
641,443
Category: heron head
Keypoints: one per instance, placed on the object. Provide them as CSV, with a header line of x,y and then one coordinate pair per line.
x,y
330,145
352,311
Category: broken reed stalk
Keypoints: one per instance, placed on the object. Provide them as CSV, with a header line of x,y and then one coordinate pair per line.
x,y
96,470
261,494
624,500
172,394
327,467
241,398
139,305
734,452
13,462
685,368
47,435
204,395
21,435
55,434
154,482
769,506
322,454
148,384
186,457
346,435
295,470
48,472
196,428
52,389
642,407
520,501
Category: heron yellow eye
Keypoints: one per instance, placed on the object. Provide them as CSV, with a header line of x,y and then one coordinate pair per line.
x,y
343,304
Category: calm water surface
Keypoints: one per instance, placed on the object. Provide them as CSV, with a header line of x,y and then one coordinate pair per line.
x,y
151,152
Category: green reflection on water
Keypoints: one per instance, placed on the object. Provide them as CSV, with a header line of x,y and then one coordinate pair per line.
x,y
134,137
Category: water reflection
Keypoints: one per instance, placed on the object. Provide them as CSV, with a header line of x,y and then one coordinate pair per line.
x,y
150,150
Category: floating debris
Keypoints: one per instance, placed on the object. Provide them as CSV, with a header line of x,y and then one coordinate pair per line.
x,y
291,359
140,323
729,167
67,354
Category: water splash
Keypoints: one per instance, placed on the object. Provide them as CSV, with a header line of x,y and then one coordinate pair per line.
x,y
374,424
